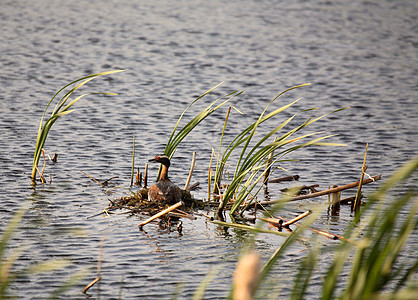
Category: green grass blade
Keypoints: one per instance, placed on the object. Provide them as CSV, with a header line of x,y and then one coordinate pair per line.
x,y
6,263
181,116
200,291
306,268
250,228
10,228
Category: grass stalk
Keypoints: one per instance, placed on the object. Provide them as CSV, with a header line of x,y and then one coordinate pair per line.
x,y
200,291
133,160
189,178
210,174
249,228
357,201
218,180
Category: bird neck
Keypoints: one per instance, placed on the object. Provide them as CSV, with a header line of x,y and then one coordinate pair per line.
x,y
164,172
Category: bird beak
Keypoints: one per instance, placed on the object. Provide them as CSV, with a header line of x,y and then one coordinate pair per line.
x,y
151,160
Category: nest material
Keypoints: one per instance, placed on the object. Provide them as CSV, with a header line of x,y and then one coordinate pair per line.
x,y
138,203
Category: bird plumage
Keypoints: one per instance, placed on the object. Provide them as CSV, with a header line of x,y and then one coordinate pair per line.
x,y
164,190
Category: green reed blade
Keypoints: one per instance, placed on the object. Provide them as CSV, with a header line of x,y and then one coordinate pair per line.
x,y
181,116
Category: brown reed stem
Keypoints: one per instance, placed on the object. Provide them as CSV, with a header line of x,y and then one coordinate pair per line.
x,y
300,217
357,201
287,178
186,186
99,267
278,222
325,192
41,174
133,160
335,202
268,167
210,174
91,284
138,177
161,213
146,176
93,179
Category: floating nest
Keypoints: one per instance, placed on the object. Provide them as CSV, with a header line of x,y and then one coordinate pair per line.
x,y
138,203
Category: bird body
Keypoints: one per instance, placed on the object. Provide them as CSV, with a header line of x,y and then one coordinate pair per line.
x,y
164,190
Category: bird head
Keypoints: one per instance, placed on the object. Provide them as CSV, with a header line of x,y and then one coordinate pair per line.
x,y
162,159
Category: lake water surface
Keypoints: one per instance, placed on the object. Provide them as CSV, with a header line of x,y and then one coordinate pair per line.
x,y
361,54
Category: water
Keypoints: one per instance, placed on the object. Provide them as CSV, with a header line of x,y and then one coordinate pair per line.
x,y
355,53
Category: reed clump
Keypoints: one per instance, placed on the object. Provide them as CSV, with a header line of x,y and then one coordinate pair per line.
x,y
62,108
256,155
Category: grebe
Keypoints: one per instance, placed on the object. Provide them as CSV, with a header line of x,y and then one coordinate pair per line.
x,y
164,190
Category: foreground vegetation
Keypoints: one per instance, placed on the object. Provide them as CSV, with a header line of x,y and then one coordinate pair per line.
x,y
377,234
374,256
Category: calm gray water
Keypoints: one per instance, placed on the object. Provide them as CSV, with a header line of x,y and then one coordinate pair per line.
x,y
361,54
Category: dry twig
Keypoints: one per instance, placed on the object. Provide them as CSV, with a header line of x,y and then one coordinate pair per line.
x,y
99,267
161,213
326,192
